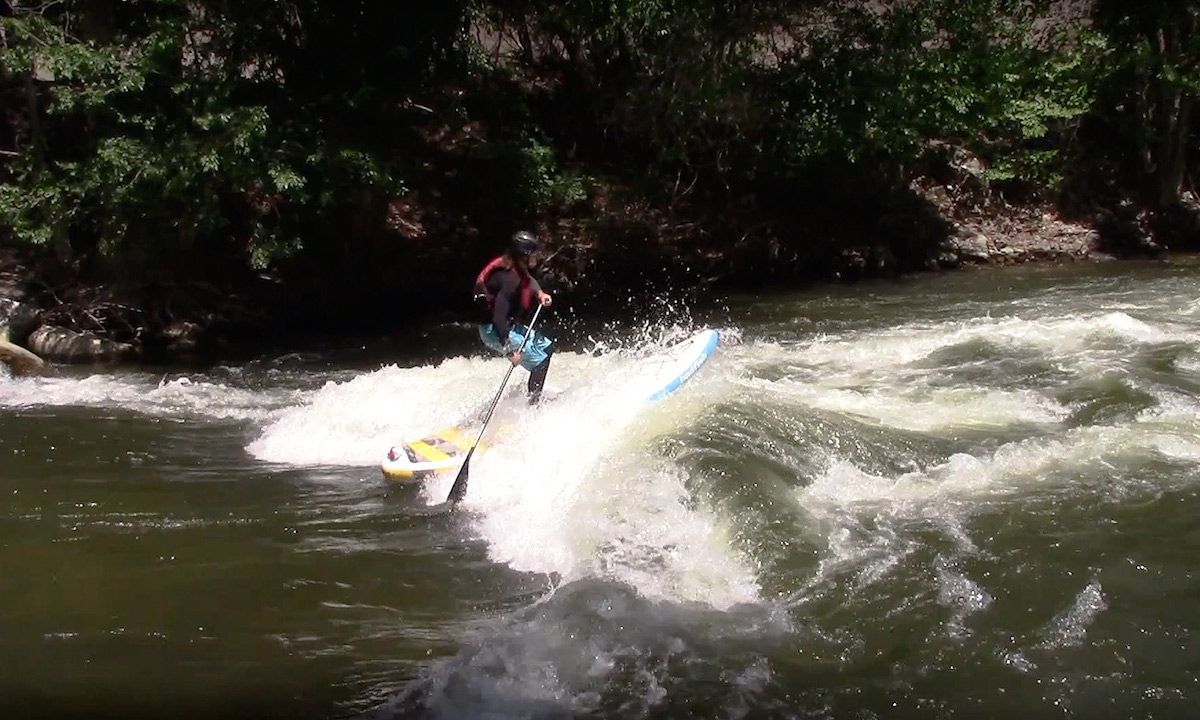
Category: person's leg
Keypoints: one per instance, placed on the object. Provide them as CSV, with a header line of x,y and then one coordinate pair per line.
x,y
537,377
535,358
535,355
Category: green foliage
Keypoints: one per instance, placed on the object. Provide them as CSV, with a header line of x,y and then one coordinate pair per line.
x,y
256,132
874,84
184,126
663,86
543,185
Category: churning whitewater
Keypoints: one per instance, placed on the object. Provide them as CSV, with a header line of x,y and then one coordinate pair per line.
x,y
576,486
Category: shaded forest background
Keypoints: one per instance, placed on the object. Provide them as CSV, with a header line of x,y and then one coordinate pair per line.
x,y
224,167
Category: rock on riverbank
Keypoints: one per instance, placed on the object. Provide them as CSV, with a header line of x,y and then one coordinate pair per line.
x,y
54,314
987,231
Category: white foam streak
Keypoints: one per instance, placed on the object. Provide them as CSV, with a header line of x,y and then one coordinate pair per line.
x,y
149,395
963,596
864,556
1012,468
1191,308
916,407
891,377
1070,627
1110,333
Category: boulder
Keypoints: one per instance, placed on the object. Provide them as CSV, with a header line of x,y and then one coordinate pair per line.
x,y
20,318
1009,254
20,360
67,346
973,248
946,261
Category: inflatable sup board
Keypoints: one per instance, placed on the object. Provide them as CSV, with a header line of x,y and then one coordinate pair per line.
x,y
655,377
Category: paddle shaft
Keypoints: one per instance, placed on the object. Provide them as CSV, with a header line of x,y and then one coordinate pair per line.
x,y
460,482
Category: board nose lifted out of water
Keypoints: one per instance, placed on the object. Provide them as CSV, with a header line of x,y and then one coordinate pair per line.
x,y
654,378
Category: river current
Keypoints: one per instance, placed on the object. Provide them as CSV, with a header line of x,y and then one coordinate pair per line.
x,y
974,494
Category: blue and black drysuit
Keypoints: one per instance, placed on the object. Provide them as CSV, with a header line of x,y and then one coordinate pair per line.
x,y
504,293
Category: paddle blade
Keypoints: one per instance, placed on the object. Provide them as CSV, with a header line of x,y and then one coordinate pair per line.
x,y
459,489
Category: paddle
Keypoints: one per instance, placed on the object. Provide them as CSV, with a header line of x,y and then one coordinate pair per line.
x,y
460,483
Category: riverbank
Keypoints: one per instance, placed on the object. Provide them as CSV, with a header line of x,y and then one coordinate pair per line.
x,y
987,230
64,315
60,314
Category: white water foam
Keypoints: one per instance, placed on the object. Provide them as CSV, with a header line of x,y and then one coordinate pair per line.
x,y
1070,627
871,377
579,491
571,487
872,556
355,422
1107,336
1013,467
962,595
150,395
1191,308
890,377
1189,363
915,406
895,378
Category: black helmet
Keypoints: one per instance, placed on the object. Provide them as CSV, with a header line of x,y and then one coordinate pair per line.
x,y
523,243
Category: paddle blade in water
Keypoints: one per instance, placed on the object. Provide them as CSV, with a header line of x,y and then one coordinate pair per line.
x,y
460,483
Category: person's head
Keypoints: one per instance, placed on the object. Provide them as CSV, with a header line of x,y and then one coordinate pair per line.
x,y
523,248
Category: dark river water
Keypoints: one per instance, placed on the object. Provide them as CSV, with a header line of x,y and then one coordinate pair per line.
x,y
957,496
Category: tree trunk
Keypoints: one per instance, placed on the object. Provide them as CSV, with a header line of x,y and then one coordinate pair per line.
x,y
1173,150
1146,116
60,238
1175,103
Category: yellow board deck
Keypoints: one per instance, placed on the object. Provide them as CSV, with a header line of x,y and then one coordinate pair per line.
x,y
432,454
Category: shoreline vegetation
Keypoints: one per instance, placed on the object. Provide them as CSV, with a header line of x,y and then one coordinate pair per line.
x,y
182,181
